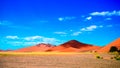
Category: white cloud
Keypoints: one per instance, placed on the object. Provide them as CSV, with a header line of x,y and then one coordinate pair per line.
x,y
30,43
60,19
31,38
88,18
12,37
50,40
106,13
90,28
76,33
21,43
65,18
41,39
62,33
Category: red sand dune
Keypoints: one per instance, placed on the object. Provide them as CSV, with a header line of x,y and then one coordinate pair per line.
x,y
1,50
70,46
5,50
106,48
36,48
89,48
73,46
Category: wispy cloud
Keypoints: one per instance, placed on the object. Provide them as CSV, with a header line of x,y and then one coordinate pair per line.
x,y
12,37
60,19
23,43
41,39
76,33
61,33
88,18
86,29
65,18
31,38
89,28
106,13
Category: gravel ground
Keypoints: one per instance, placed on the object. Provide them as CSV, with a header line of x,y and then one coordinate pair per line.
x,y
58,61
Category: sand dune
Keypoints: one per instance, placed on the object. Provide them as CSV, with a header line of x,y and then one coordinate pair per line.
x,y
37,48
106,48
74,46
70,46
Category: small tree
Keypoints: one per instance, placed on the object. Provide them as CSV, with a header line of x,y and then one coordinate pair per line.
x,y
119,52
113,49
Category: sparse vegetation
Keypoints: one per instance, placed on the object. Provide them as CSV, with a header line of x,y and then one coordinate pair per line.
x,y
117,58
63,60
116,55
98,56
113,49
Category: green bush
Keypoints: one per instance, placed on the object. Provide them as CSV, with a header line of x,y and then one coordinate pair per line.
x,y
99,57
117,57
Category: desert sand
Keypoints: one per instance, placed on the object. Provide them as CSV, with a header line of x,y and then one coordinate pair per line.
x,y
58,61
106,48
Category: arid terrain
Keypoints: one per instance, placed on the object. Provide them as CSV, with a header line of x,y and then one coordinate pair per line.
x,y
82,60
71,54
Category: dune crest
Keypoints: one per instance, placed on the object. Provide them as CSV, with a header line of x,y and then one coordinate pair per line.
x,y
70,46
74,46
37,48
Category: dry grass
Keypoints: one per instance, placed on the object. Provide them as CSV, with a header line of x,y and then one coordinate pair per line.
x,y
55,60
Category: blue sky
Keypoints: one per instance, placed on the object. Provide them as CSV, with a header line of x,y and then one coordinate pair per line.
x,y
25,23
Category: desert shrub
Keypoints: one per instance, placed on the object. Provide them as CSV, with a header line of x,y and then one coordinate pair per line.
x,y
113,49
112,58
99,57
115,53
119,52
117,57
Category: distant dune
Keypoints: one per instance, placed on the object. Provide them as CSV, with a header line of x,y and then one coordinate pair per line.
x,y
70,46
1,50
37,48
74,46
